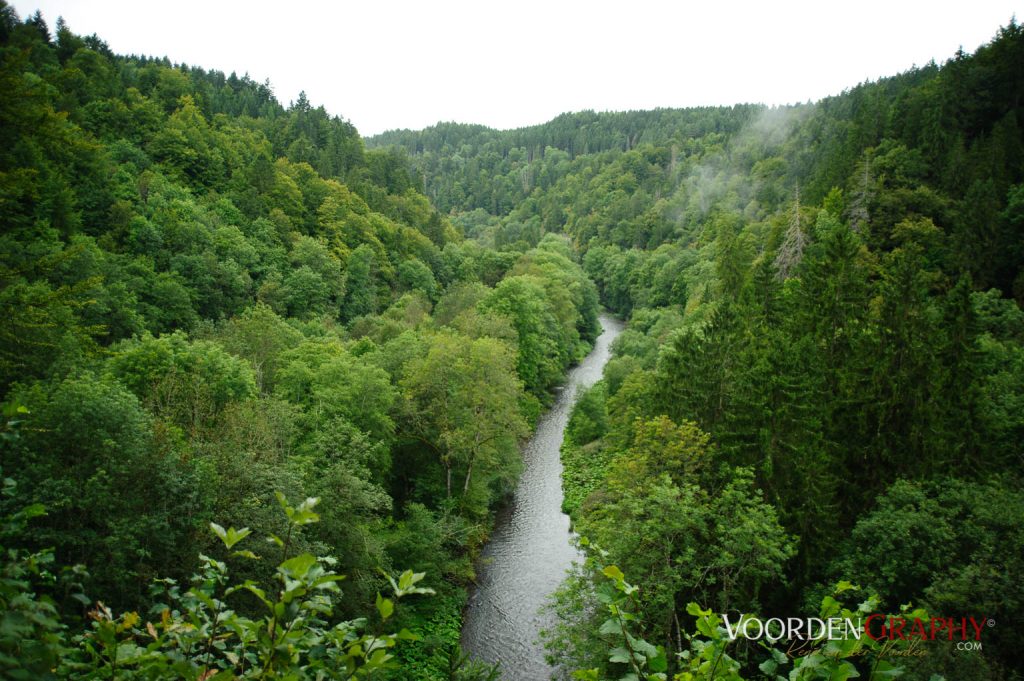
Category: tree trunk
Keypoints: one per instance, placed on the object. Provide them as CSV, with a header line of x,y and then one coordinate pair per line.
x,y
469,473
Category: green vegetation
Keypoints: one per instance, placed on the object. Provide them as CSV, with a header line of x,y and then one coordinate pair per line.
x,y
214,304
211,300
195,634
710,651
823,361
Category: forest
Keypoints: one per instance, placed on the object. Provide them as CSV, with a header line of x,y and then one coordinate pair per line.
x,y
211,302
822,378
265,382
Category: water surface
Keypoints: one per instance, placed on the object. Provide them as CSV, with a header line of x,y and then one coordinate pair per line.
x,y
530,550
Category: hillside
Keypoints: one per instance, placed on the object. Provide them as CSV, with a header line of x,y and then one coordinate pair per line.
x,y
216,307
824,358
247,354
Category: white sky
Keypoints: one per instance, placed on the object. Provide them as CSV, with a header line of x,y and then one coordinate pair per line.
x,y
409,64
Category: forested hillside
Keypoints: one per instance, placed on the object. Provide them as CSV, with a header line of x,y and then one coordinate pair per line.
x,y
246,354
215,307
823,376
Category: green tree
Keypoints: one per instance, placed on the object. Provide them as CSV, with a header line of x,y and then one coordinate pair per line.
x,y
260,336
115,502
187,382
361,296
462,400
524,301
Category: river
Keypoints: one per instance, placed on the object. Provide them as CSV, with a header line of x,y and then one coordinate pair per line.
x,y
527,555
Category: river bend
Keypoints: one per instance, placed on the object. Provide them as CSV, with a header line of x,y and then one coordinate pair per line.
x,y
527,555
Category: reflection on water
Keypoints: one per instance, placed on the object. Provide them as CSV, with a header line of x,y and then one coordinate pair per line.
x,y
529,552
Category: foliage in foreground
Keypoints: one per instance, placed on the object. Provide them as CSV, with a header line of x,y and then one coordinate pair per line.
x,y
195,632
709,654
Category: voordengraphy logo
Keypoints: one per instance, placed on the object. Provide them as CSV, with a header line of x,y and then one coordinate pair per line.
x,y
877,627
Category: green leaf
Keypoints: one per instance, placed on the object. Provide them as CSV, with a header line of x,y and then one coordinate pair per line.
x,y
32,511
705,628
643,647
235,536
384,606
658,663
304,514
613,572
829,607
203,598
327,581
406,584
231,536
696,611
845,671
297,567
219,531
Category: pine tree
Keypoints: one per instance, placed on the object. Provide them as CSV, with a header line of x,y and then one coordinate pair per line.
x,y
792,250
861,197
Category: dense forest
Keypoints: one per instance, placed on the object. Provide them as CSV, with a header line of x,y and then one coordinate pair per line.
x,y
211,302
246,355
823,375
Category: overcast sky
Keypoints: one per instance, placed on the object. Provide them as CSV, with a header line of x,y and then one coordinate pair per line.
x,y
397,64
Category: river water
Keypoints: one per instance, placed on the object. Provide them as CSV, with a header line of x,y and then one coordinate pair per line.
x,y
529,551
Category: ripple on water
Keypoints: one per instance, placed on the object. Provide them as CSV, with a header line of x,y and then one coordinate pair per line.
x,y
530,549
